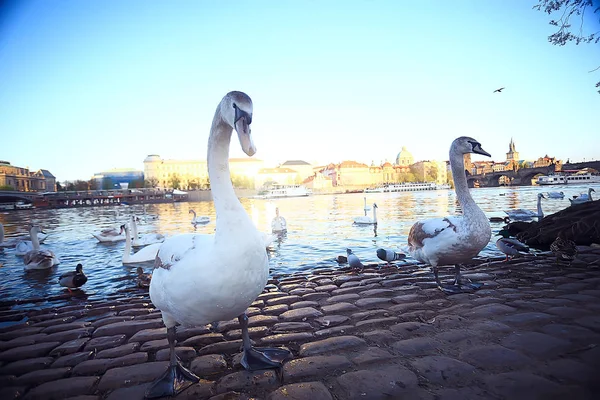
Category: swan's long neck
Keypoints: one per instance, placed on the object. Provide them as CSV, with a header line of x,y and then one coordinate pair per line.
x,y
1,233
225,200
457,165
134,227
539,207
374,214
590,194
33,232
127,242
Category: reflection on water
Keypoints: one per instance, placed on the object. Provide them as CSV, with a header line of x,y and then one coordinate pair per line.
x,y
319,229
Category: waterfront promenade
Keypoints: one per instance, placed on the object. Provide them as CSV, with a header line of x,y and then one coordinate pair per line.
x,y
532,332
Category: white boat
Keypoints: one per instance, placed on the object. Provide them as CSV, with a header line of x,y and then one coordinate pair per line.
x,y
279,191
558,179
378,189
407,187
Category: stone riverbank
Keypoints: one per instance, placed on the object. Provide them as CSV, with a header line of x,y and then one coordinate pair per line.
x,y
532,332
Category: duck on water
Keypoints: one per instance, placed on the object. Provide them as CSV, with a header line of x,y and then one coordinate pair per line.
x,y
196,275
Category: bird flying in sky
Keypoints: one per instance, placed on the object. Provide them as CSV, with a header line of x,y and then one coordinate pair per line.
x,y
498,90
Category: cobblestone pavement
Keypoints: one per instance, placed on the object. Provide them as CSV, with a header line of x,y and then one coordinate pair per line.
x,y
532,332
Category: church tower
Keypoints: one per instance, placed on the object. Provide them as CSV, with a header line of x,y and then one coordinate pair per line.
x,y
512,157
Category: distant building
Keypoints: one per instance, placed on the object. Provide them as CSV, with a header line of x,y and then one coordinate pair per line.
x,y
279,175
546,161
193,174
304,169
435,171
118,178
512,157
23,180
404,158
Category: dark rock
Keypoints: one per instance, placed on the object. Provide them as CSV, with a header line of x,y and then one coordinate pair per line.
x,y
283,338
338,307
302,368
118,351
394,382
129,376
419,346
300,314
33,350
335,330
493,356
23,366
42,376
525,385
371,355
247,380
330,345
211,364
301,391
332,320
291,326
105,342
128,328
72,359
445,371
69,347
222,347
537,344
203,340
150,334
183,353
62,388
155,345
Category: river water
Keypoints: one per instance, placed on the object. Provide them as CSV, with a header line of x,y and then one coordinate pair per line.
x,y
319,229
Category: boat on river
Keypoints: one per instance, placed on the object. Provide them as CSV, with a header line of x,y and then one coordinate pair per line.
x,y
563,179
280,191
407,187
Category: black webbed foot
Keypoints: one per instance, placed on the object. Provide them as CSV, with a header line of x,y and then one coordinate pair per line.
x,y
264,358
175,379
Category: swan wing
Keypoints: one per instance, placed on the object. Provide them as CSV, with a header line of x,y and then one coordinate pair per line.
x,y
427,239
177,247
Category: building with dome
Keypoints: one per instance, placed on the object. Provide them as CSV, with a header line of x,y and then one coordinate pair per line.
x,y
404,158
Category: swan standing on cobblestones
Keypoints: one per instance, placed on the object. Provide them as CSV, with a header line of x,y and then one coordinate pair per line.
x,y
453,240
202,278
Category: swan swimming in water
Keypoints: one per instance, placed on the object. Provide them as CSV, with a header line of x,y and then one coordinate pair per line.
x,y
13,241
145,254
36,258
583,198
278,224
199,220
201,278
146,239
556,195
364,220
454,239
523,214
109,235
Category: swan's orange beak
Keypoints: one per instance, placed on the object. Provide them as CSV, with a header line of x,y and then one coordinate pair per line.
x,y
242,127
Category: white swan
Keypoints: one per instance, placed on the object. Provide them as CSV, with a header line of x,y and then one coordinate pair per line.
x,y
13,241
364,220
367,208
146,239
583,198
147,253
523,214
556,195
36,258
278,224
454,239
200,220
109,235
202,278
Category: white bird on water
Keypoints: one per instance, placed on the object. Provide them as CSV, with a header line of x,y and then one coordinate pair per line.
x,y
37,258
364,220
145,239
556,195
199,220
523,214
145,254
582,198
454,239
278,224
200,278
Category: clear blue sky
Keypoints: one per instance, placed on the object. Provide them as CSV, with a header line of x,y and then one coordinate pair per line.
x,y
87,86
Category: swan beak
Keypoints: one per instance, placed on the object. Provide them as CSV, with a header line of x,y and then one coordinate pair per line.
x,y
478,150
242,127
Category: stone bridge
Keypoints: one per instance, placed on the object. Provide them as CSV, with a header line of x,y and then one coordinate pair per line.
x,y
521,177
10,196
